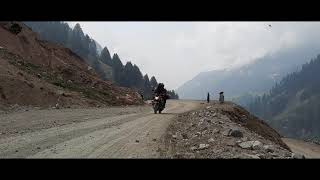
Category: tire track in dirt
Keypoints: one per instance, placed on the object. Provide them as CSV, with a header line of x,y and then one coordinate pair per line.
x,y
119,142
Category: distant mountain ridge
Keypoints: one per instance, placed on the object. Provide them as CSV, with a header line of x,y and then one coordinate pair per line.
x,y
255,78
292,105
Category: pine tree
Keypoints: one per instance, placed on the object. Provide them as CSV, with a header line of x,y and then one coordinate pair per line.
x,y
153,82
117,68
147,90
105,56
82,45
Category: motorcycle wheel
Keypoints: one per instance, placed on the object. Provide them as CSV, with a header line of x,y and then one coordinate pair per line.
x,y
159,111
155,108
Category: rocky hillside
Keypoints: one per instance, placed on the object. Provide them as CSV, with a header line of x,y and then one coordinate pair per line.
x,y
223,131
42,74
107,65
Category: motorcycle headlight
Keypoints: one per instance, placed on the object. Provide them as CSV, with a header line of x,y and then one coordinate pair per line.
x,y
156,98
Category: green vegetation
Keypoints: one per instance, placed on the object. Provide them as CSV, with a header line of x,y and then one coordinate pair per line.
x,y
293,105
128,75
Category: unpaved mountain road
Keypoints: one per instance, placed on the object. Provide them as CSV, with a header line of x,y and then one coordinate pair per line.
x,y
132,132
309,150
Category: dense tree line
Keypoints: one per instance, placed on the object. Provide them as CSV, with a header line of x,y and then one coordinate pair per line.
x,y
173,94
292,105
128,75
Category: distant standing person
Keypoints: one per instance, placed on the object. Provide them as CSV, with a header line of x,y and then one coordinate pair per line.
x,y
208,98
221,98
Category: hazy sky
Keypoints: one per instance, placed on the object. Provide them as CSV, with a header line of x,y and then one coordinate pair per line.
x,y
175,52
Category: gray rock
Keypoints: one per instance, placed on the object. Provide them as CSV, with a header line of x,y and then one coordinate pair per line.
x,y
203,146
236,133
251,156
198,133
262,156
246,156
174,136
251,145
220,122
244,139
189,155
226,132
214,131
287,154
269,148
297,156
210,140
257,145
274,154
193,148
184,136
231,143
178,156
246,145
204,132
205,128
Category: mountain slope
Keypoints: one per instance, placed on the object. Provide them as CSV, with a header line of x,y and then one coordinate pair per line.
x,y
43,74
99,47
254,78
106,65
292,106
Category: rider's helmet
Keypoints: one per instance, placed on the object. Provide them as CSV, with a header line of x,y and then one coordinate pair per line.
x,y
161,85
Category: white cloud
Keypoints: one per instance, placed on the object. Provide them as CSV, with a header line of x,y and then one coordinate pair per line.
x,y
177,51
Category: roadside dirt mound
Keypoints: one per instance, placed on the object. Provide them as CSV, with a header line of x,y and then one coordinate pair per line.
x,y
222,131
239,115
42,74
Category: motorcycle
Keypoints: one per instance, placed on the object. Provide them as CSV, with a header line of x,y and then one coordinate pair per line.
x,y
158,103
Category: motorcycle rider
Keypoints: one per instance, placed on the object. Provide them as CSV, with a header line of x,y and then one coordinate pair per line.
x,y
161,90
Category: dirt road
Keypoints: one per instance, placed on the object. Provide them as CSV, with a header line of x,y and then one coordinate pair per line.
x,y
132,132
309,150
